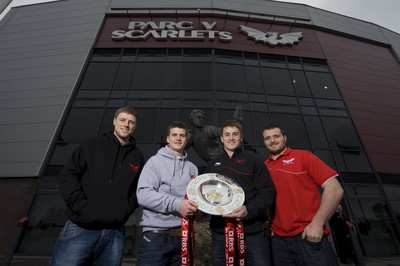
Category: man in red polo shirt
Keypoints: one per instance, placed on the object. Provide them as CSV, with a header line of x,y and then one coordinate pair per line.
x,y
301,211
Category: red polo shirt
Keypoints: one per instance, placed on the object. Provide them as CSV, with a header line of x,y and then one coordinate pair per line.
x,y
298,176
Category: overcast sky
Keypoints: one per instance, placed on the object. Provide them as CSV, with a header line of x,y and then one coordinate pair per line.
x,y
385,13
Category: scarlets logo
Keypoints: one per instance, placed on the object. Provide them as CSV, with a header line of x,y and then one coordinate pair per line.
x,y
290,161
134,168
240,161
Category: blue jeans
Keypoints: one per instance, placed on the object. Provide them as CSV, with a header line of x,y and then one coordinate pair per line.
x,y
296,251
258,249
159,249
78,246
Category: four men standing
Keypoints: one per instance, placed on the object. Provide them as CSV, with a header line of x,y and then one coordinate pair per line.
x,y
99,183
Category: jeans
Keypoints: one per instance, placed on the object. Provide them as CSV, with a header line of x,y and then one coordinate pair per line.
x,y
78,246
258,249
159,249
296,251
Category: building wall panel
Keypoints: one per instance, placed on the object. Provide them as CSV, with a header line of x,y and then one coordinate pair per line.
x,y
365,87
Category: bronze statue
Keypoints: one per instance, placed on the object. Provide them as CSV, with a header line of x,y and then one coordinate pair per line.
x,y
205,139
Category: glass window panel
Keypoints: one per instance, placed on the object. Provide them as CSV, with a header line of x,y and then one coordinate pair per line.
x,y
316,132
260,98
107,121
254,79
374,224
390,179
259,107
315,64
196,76
194,95
147,125
341,133
309,110
99,76
124,76
165,117
149,150
327,157
220,95
294,126
260,122
300,83
330,103
144,94
172,76
169,103
362,190
81,124
322,85
333,112
393,195
228,56
273,60
115,103
277,81
62,152
92,94
115,94
306,101
90,103
282,99
284,108
354,161
46,219
148,76
230,78
251,59
359,178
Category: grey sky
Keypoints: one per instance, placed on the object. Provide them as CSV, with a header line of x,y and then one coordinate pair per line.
x,y
384,13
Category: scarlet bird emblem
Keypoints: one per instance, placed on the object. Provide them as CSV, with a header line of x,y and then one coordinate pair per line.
x,y
240,161
134,168
272,38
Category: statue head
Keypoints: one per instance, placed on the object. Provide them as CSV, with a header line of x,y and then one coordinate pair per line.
x,y
197,118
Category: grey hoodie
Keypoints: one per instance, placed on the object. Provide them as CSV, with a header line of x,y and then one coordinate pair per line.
x,y
161,188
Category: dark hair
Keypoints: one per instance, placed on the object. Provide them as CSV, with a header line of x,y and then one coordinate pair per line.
x,y
178,124
275,126
232,123
127,109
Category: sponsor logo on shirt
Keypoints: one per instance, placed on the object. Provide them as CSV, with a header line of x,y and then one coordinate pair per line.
x,y
134,168
290,161
217,164
240,161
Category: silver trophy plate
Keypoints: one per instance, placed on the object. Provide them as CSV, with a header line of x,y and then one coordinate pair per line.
x,y
215,194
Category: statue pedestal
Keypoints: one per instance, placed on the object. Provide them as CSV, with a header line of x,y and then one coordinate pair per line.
x,y
202,244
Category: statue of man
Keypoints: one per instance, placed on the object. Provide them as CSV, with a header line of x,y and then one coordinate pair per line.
x,y
205,139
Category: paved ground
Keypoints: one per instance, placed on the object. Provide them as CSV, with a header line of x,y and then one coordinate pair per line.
x,y
44,261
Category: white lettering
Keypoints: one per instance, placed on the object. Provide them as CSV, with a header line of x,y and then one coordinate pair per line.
x,y
164,30
184,25
208,26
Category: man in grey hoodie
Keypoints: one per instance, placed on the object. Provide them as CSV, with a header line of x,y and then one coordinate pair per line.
x,y
161,191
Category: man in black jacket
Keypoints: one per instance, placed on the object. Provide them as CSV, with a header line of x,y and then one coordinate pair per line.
x,y
248,171
98,185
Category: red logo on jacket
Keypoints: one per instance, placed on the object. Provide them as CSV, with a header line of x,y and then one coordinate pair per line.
x,y
134,168
240,161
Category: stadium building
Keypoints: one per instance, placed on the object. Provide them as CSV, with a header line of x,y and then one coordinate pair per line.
x,y
331,81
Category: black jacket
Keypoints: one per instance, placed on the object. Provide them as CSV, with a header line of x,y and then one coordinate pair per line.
x,y
249,172
98,183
